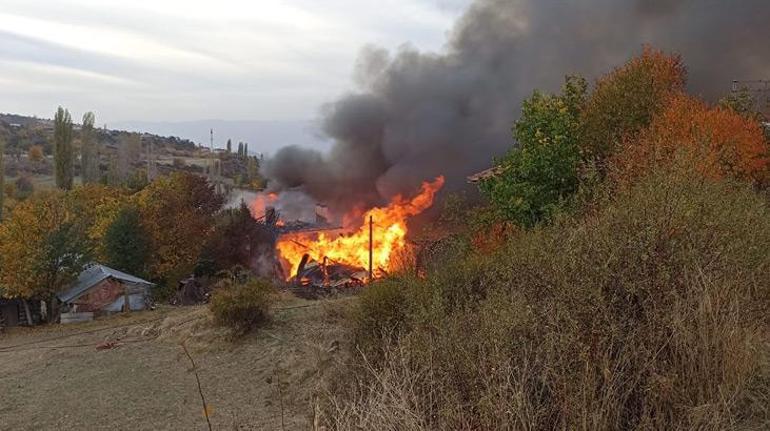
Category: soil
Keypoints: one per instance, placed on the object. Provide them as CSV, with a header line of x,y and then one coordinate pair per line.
x,y
131,371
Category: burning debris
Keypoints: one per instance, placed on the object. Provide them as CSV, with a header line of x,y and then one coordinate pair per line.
x,y
321,254
373,243
191,291
314,279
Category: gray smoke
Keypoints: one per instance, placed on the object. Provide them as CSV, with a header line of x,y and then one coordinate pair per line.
x,y
417,115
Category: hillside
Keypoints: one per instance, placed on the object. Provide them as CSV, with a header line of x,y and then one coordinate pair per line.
x,y
22,132
62,377
124,156
263,136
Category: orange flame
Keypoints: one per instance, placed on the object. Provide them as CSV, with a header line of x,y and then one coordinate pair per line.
x,y
261,202
388,235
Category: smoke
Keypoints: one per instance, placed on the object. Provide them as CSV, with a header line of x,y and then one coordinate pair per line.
x,y
416,115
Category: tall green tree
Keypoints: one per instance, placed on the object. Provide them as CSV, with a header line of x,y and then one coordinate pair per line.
x,y
65,252
252,168
89,152
62,149
229,146
240,149
539,176
126,244
246,149
129,150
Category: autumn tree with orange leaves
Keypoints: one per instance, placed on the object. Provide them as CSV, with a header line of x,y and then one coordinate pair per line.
x,y
625,100
714,141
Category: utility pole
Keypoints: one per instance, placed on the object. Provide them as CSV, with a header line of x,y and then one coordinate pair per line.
x,y
211,149
371,247
212,166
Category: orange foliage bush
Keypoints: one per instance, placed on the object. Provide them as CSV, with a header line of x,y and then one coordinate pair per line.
x,y
628,98
716,142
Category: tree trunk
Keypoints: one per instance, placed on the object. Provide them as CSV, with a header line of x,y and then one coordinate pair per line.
x,y
53,310
27,312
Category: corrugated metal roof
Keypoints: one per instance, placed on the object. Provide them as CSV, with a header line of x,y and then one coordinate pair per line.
x,y
94,275
485,174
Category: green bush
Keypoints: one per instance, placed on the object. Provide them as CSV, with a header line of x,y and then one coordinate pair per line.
x,y
539,177
648,312
242,306
381,315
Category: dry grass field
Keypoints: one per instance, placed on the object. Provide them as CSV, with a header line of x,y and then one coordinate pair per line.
x,y
131,372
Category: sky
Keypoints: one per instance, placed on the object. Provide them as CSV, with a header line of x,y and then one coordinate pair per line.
x,y
186,60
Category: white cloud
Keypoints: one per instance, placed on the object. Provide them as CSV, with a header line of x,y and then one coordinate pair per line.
x,y
183,59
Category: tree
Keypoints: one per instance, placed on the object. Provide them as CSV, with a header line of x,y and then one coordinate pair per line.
x,y
625,101
97,206
239,239
246,149
24,187
744,103
229,146
129,150
540,175
126,245
252,169
717,142
43,249
89,151
240,149
177,212
62,149
35,153
64,253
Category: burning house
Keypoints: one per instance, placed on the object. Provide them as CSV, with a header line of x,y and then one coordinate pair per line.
x,y
347,251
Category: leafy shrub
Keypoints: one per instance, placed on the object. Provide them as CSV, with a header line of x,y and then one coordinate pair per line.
x,y
242,306
380,315
35,153
647,313
24,187
538,177
718,142
626,99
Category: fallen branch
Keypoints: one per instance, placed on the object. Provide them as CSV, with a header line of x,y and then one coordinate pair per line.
x,y
198,380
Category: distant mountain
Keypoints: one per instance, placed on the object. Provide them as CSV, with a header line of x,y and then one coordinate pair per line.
x,y
262,136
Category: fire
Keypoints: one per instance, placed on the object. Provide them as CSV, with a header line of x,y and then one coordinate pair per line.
x,y
261,203
389,231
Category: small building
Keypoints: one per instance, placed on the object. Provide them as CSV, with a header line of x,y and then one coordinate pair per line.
x,y
13,312
100,289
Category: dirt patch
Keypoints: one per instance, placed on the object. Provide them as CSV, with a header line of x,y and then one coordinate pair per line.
x,y
130,372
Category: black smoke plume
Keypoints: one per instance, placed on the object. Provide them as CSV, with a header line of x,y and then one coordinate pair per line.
x,y
417,115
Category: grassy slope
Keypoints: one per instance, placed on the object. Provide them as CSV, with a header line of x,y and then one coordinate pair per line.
x,y
146,383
